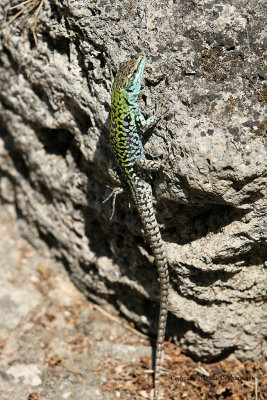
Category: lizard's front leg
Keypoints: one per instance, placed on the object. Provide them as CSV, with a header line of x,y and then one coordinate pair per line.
x,y
145,124
142,123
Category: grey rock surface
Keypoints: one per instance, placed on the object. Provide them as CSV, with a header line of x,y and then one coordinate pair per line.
x,y
206,63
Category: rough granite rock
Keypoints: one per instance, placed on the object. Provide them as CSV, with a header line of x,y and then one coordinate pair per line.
x,y
207,70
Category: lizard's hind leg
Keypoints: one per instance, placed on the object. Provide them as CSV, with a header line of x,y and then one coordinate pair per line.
x,y
147,165
114,176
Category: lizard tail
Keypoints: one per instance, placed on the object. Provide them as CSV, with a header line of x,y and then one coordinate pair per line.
x,y
142,193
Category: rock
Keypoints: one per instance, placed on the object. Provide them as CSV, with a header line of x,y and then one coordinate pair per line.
x,y
29,374
203,66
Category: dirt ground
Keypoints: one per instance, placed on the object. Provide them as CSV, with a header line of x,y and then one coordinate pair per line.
x,y
56,344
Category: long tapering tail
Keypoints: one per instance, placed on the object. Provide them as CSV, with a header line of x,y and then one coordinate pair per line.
x,y
142,193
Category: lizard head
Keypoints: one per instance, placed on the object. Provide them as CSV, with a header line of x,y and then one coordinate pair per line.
x,y
128,78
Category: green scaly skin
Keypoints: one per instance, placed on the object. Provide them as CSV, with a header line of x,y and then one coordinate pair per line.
x,y
127,125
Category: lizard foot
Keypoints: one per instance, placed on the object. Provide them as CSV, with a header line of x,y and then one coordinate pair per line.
x,y
115,192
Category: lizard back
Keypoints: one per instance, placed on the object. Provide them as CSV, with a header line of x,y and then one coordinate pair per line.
x,y
124,131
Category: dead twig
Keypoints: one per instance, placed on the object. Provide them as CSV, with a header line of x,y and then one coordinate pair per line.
x,y
256,387
118,321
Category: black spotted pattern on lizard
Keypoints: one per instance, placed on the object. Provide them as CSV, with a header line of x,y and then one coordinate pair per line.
x,y
127,126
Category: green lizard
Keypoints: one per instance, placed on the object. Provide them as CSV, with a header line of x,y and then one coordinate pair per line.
x,y
127,126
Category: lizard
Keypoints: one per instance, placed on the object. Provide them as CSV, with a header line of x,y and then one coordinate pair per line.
x,y
126,128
